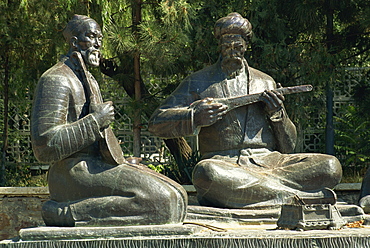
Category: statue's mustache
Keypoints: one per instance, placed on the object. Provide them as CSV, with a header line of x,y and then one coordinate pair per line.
x,y
92,50
231,65
91,55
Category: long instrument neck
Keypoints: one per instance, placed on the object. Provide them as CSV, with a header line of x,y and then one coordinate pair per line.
x,y
239,101
92,95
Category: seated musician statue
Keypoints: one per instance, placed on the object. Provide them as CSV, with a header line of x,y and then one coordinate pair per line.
x,y
90,182
246,160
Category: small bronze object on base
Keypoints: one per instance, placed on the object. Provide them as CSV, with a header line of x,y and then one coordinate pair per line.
x,y
313,216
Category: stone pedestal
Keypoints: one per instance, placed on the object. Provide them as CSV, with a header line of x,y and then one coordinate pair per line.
x,y
204,228
212,235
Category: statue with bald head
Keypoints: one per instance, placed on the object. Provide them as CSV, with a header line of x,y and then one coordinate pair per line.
x,y
90,182
246,152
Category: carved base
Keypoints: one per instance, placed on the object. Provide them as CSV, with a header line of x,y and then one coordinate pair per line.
x,y
189,236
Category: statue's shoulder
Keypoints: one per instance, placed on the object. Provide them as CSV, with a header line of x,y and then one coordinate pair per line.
x,y
59,73
207,72
257,74
60,69
202,79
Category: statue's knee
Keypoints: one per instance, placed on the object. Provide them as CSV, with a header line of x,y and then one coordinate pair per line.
x,y
204,171
164,196
335,167
332,171
167,206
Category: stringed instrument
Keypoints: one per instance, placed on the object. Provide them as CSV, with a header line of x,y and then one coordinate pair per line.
x,y
239,101
109,146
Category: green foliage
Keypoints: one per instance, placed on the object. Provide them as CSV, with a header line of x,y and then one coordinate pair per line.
x,y
353,174
158,38
362,95
180,172
20,175
186,166
157,167
353,130
353,138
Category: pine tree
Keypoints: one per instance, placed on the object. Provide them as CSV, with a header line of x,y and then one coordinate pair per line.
x,y
146,37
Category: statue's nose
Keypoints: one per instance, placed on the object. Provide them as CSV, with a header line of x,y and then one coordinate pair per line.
x,y
97,43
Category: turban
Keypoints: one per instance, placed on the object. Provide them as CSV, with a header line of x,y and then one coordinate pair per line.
x,y
76,25
233,23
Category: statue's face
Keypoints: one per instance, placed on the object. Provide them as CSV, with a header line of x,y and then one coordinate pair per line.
x,y
232,45
88,42
232,50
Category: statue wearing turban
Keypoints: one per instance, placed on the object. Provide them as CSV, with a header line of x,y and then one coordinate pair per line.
x,y
246,160
90,182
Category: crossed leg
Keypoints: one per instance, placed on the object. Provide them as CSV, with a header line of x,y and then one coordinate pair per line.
x,y
267,181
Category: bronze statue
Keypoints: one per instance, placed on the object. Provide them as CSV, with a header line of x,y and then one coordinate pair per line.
x,y
90,182
364,200
246,160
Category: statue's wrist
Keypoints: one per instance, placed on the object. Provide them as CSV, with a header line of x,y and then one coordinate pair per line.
x,y
278,115
194,126
100,131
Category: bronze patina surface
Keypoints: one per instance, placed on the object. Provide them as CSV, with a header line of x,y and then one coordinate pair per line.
x,y
89,180
247,159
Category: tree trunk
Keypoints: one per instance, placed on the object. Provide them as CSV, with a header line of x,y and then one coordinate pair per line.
x,y
329,130
5,118
136,20
136,89
137,114
178,147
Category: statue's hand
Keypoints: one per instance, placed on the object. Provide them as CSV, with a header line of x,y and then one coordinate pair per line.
x,y
273,100
103,113
207,112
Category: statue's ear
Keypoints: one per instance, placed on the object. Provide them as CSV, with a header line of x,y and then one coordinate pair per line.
x,y
73,42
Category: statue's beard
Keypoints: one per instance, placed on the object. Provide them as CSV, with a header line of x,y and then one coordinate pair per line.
x,y
91,56
232,65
